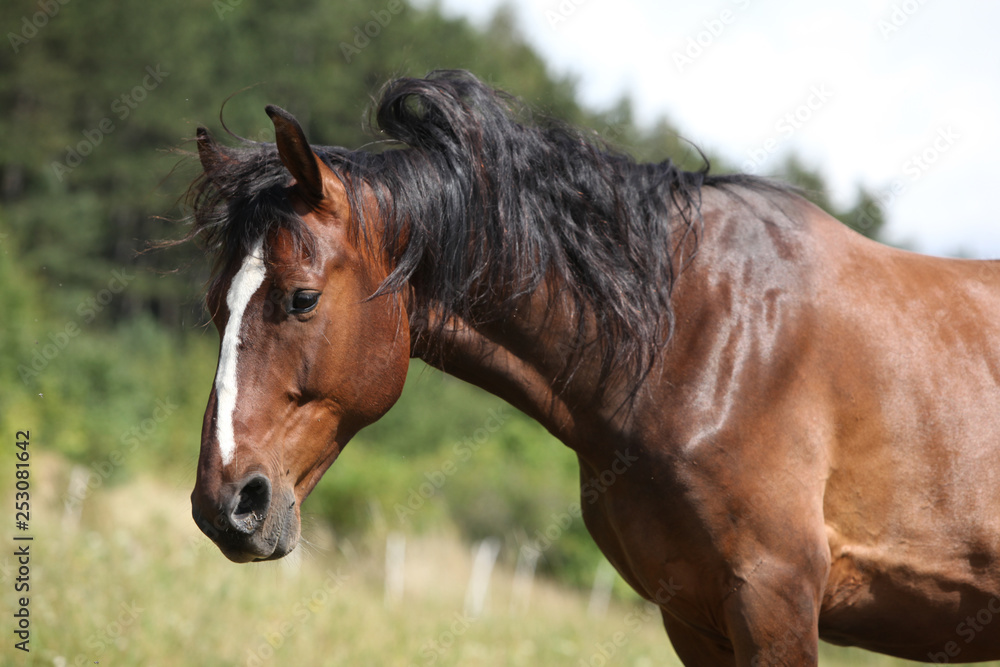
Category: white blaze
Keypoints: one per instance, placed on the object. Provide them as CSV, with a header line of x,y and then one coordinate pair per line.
x,y
244,286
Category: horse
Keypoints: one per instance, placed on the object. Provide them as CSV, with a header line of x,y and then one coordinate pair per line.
x,y
799,427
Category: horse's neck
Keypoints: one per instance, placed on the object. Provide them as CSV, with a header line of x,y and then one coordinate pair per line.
x,y
526,361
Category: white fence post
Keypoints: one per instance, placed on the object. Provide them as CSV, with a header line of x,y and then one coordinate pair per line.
x,y
395,565
524,578
600,596
76,493
479,582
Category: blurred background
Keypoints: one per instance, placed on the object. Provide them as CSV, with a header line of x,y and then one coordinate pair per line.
x,y
453,509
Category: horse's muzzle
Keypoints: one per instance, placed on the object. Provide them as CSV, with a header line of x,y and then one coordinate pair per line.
x,y
247,520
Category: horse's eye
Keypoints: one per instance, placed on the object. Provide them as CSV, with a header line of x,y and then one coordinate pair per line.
x,y
303,301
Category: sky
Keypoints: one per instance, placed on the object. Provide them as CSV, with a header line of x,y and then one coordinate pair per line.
x,y
901,96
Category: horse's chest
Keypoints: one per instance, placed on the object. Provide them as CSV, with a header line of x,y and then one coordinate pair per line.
x,y
638,527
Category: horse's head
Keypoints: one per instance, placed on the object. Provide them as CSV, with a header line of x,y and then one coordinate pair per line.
x,y
308,356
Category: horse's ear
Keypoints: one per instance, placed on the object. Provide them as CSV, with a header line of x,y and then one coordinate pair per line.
x,y
209,152
316,182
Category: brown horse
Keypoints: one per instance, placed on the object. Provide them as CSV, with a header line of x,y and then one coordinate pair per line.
x,y
795,430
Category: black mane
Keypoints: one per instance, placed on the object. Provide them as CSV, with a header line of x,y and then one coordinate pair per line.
x,y
476,210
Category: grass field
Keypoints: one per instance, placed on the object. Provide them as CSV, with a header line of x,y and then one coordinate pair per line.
x,y
134,583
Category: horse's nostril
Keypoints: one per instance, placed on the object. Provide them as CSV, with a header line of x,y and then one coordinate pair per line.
x,y
252,502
